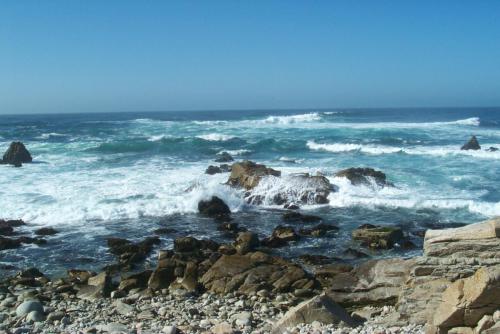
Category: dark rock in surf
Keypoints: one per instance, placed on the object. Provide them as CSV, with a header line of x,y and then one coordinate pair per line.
x,y
293,216
16,154
224,157
46,231
212,170
231,228
280,237
186,244
319,230
214,207
472,144
492,149
291,206
8,243
351,253
362,176
378,237
130,252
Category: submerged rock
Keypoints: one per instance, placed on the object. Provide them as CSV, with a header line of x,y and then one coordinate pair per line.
x,y
247,174
214,207
319,230
492,149
293,216
224,157
16,154
224,168
362,176
46,231
472,144
280,237
378,237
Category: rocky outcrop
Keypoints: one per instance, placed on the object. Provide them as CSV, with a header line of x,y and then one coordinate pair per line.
x,y
16,154
280,237
449,255
321,308
378,237
375,282
129,252
214,207
472,144
247,174
467,301
363,176
212,170
254,272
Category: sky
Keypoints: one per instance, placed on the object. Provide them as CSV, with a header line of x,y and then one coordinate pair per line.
x,y
102,56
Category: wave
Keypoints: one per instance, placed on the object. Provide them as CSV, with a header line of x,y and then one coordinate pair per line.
x,y
216,137
50,135
474,121
415,150
159,137
291,119
236,152
339,147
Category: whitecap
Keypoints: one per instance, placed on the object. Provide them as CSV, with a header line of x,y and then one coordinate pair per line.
x,y
236,152
49,135
347,147
215,137
291,119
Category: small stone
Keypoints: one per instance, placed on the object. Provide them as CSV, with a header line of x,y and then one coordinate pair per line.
x,y
35,316
169,330
29,306
222,328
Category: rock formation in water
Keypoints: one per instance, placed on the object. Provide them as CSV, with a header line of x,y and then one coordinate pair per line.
x,y
472,144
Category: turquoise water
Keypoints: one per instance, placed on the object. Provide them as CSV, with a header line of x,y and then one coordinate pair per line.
x,y
127,174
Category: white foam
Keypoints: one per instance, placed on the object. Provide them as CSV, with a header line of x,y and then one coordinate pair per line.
x,y
341,147
291,119
158,137
49,135
216,137
236,152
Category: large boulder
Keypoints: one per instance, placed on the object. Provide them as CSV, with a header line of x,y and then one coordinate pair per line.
x,y
280,237
247,174
472,144
321,308
16,154
246,242
467,300
363,176
224,157
378,237
214,207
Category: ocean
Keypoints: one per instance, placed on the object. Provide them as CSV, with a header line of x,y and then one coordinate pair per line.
x,y
98,175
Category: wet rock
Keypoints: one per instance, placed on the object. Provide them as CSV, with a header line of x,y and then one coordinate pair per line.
x,y
363,176
211,170
16,154
351,253
231,228
8,243
214,207
293,216
378,237
246,242
224,157
472,144
320,308
291,206
280,237
314,259
492,149
164,230
247,174
46,231
186,244
319,230
130,252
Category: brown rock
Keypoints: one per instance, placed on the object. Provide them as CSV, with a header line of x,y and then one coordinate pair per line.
x,y
247,174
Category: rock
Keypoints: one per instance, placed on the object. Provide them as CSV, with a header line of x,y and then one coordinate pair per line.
x,y
449,255
80,276
29,306
363,176
130,252
169,330
280,237
242,319
485,323
492,149
378,237
214,207
35,316
45,231
466,301
320,308
373,282
472,144
293,216
211,170
8,243
224,157
186,244
319,230
55,316
222,328
161,278
246,242
122,308
351,253
16,154
247,174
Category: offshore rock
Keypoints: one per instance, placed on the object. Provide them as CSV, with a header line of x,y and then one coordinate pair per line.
x,y
16,154
363,176
214,207
378,237
224,157
472,144
247,174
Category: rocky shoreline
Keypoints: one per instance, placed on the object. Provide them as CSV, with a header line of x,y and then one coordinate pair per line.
x,y
200,286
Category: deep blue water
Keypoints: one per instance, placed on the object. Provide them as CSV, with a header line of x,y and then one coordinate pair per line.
x,y
126,174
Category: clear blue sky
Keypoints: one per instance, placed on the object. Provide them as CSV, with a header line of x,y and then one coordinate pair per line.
x,y
77,56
